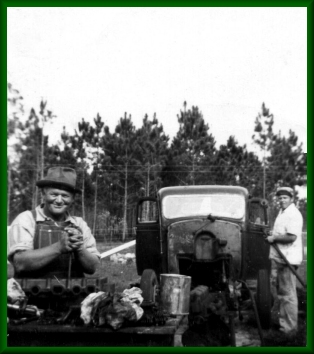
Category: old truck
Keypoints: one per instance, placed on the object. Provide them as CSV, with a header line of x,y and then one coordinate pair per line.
x,y
216,236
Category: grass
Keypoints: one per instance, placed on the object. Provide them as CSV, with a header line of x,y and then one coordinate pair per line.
x,y
273,337
122,275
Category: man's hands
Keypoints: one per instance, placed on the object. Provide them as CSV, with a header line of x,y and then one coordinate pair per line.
x,y
269,237
71,240
284,239
75,237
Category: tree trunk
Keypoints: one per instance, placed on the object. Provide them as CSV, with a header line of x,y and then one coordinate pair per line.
x,y
42,152
83,191
8,195
264,176
42,156
95,205
125,202
193,169
35,193
147,191
35,189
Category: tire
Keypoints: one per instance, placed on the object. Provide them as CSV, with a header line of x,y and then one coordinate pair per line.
x,y
149,285
264,298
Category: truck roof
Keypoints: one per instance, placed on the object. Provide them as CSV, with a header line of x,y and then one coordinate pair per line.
x,y
202,189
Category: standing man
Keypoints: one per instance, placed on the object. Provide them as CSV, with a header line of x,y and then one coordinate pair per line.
x,y
48,242
287,233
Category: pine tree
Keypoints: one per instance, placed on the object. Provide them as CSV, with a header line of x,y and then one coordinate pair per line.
x,y
123,149
33,151
98,156
287,161
264,138
192,149
14,133
79,146
235,165
152,153
86,144
283,160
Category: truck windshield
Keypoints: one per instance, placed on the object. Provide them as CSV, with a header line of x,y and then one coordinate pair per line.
x,y
224,205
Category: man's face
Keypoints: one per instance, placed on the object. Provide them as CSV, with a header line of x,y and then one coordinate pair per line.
x,y
284,201
57,201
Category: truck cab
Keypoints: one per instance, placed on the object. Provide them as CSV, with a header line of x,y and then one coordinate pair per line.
x,y
187,225
213,234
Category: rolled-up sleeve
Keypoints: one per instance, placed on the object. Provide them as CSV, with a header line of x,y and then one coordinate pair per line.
x,y
88,238
21,234
295,224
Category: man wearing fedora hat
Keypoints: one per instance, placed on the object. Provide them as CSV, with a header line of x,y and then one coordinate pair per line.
x,y
287,233
48,242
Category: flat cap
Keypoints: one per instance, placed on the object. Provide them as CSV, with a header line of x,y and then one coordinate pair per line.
x,y
285,191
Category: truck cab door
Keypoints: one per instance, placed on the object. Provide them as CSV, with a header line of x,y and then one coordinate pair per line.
x,y
148,241
257,249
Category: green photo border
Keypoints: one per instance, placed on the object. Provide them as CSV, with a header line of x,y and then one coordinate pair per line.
x,y
141,3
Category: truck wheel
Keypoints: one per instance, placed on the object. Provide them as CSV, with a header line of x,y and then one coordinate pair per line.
x,y
264,298
149,285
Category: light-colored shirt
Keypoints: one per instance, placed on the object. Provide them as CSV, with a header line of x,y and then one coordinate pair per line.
x,y
288,221
22,232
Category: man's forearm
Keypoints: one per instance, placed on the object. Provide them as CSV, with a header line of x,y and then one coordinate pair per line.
x,y
88,261
32,260
284,239
35,259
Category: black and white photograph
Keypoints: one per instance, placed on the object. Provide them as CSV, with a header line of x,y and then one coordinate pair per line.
x,y
157,177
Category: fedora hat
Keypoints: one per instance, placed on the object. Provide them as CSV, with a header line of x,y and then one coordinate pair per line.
x,y
63,177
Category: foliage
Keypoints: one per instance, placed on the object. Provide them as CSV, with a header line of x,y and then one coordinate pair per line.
x,y
14,131
124,149
152,155
116,169
283,160
192,150
287,160
235,165
30,151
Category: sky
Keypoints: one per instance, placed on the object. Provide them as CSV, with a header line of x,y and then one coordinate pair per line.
x,y
226,61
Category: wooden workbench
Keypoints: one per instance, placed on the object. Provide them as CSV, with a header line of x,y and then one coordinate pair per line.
x,y
35,334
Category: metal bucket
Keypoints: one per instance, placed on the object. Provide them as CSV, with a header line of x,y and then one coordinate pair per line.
x,y
175,293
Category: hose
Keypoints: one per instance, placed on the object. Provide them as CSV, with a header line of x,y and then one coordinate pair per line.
x,y
275,246
288,264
